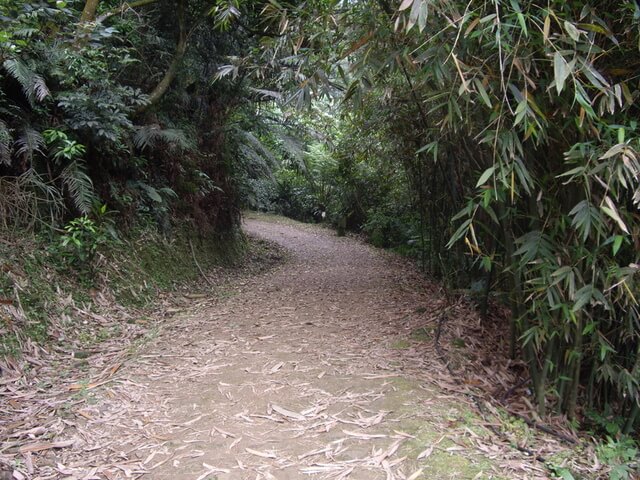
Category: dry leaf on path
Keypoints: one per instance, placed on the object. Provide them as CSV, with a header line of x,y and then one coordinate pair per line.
x,y
260,454
287,413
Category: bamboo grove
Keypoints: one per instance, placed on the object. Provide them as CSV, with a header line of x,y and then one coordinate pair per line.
x,y
513,127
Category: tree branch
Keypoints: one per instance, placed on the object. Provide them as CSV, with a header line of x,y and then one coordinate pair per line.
x,y
171,72
124,8
89,11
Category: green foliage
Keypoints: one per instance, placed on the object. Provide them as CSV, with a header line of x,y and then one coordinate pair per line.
x,y
620,456
294,195
76,107
82,239
497,141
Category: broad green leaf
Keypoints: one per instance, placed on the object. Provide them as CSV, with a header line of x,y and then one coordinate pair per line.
x,y
617,243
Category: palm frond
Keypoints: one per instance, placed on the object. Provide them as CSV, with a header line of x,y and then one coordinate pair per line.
x,y
150,136
79,186
252,142
295,150
33,85
254,164
29,143
5,144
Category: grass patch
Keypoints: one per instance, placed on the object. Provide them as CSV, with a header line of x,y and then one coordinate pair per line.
x,y
440,463
400,344
156,264
423,334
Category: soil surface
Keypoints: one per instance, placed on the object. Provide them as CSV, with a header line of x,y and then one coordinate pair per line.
x,y
307,370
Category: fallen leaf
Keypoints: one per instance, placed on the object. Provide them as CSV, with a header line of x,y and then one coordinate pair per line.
x,y
287,413
260,454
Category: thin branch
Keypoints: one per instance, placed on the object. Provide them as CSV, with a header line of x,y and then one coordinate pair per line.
x,y
124,8
195,260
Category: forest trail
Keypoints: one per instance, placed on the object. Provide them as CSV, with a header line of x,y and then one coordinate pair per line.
x,y
305,371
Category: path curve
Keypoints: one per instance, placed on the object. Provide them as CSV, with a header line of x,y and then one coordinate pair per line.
x,y
307,371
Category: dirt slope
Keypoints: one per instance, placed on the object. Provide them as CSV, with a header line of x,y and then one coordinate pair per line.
x,y
306,371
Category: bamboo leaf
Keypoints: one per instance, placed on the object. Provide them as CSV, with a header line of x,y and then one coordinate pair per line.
x,y
415,13
583,297
546,29
406,4
615,150
482,91
571,29
617,243
612,211
460,232
560,71
485,176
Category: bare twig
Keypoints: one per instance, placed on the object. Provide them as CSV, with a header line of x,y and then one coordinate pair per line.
x,y
195,260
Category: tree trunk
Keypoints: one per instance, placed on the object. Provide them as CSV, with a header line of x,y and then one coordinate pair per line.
x,y
171,72
89,11
124,8
85,24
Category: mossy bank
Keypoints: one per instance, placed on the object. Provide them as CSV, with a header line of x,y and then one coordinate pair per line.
x,y
45,299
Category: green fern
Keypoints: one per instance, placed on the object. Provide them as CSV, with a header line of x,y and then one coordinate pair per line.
x,y
5,144
294,148
79,186
251,141
151,136
29,143
33,85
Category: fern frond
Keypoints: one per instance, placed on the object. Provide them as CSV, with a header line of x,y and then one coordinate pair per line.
x,y
28,143
33,85
150,136
79,186
5,144
40,89
258,147
294,148
254,164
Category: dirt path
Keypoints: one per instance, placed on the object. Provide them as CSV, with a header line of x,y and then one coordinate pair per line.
x,y
306,371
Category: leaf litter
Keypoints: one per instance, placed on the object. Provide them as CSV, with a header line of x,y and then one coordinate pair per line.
x,y
295,375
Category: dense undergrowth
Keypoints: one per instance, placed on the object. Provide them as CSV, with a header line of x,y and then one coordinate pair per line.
x,y
121,153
